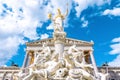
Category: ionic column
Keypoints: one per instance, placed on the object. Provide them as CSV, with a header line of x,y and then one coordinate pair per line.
x,y
94,63
11,77
25,63
4,75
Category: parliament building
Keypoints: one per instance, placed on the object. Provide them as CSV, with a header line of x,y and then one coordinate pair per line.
x,y
59,58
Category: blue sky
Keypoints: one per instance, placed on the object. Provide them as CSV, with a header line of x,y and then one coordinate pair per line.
x,y
26,20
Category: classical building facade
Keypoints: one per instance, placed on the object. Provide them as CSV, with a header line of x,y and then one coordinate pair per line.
x,y
59,58
6,73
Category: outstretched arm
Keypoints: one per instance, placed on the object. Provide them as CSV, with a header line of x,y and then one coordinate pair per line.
x,y
66,13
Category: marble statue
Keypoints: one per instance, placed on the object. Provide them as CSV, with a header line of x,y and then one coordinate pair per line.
x,y
79,58
43,56
39,63
103,75
79,74
61,73
46,65
30,76
50,68
20,75
75,53
68,60
58,20
59,63
35,72
79,62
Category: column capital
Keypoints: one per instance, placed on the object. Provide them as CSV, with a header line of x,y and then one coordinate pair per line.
x,y
91,50
29,51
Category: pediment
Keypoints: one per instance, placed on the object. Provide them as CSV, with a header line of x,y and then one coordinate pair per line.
x,y
68,41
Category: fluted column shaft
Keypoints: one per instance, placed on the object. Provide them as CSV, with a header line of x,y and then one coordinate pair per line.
x,y
94,63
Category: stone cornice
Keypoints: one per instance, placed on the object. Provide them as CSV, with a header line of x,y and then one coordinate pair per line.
x,y
9,68
104,67
68,41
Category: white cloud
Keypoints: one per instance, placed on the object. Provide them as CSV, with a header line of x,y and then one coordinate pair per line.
x,y
116,39
115,62
62,4
50,27
25,16
84,22
115,50
9,47
23,19
44,36
115,46
84,4
4,66
114,12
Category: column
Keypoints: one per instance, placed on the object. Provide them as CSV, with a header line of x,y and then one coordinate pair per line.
x,y
4,75
25,63
94,63
59,49
11,77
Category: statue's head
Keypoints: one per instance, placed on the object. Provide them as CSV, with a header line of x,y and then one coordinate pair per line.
x,y
58,11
